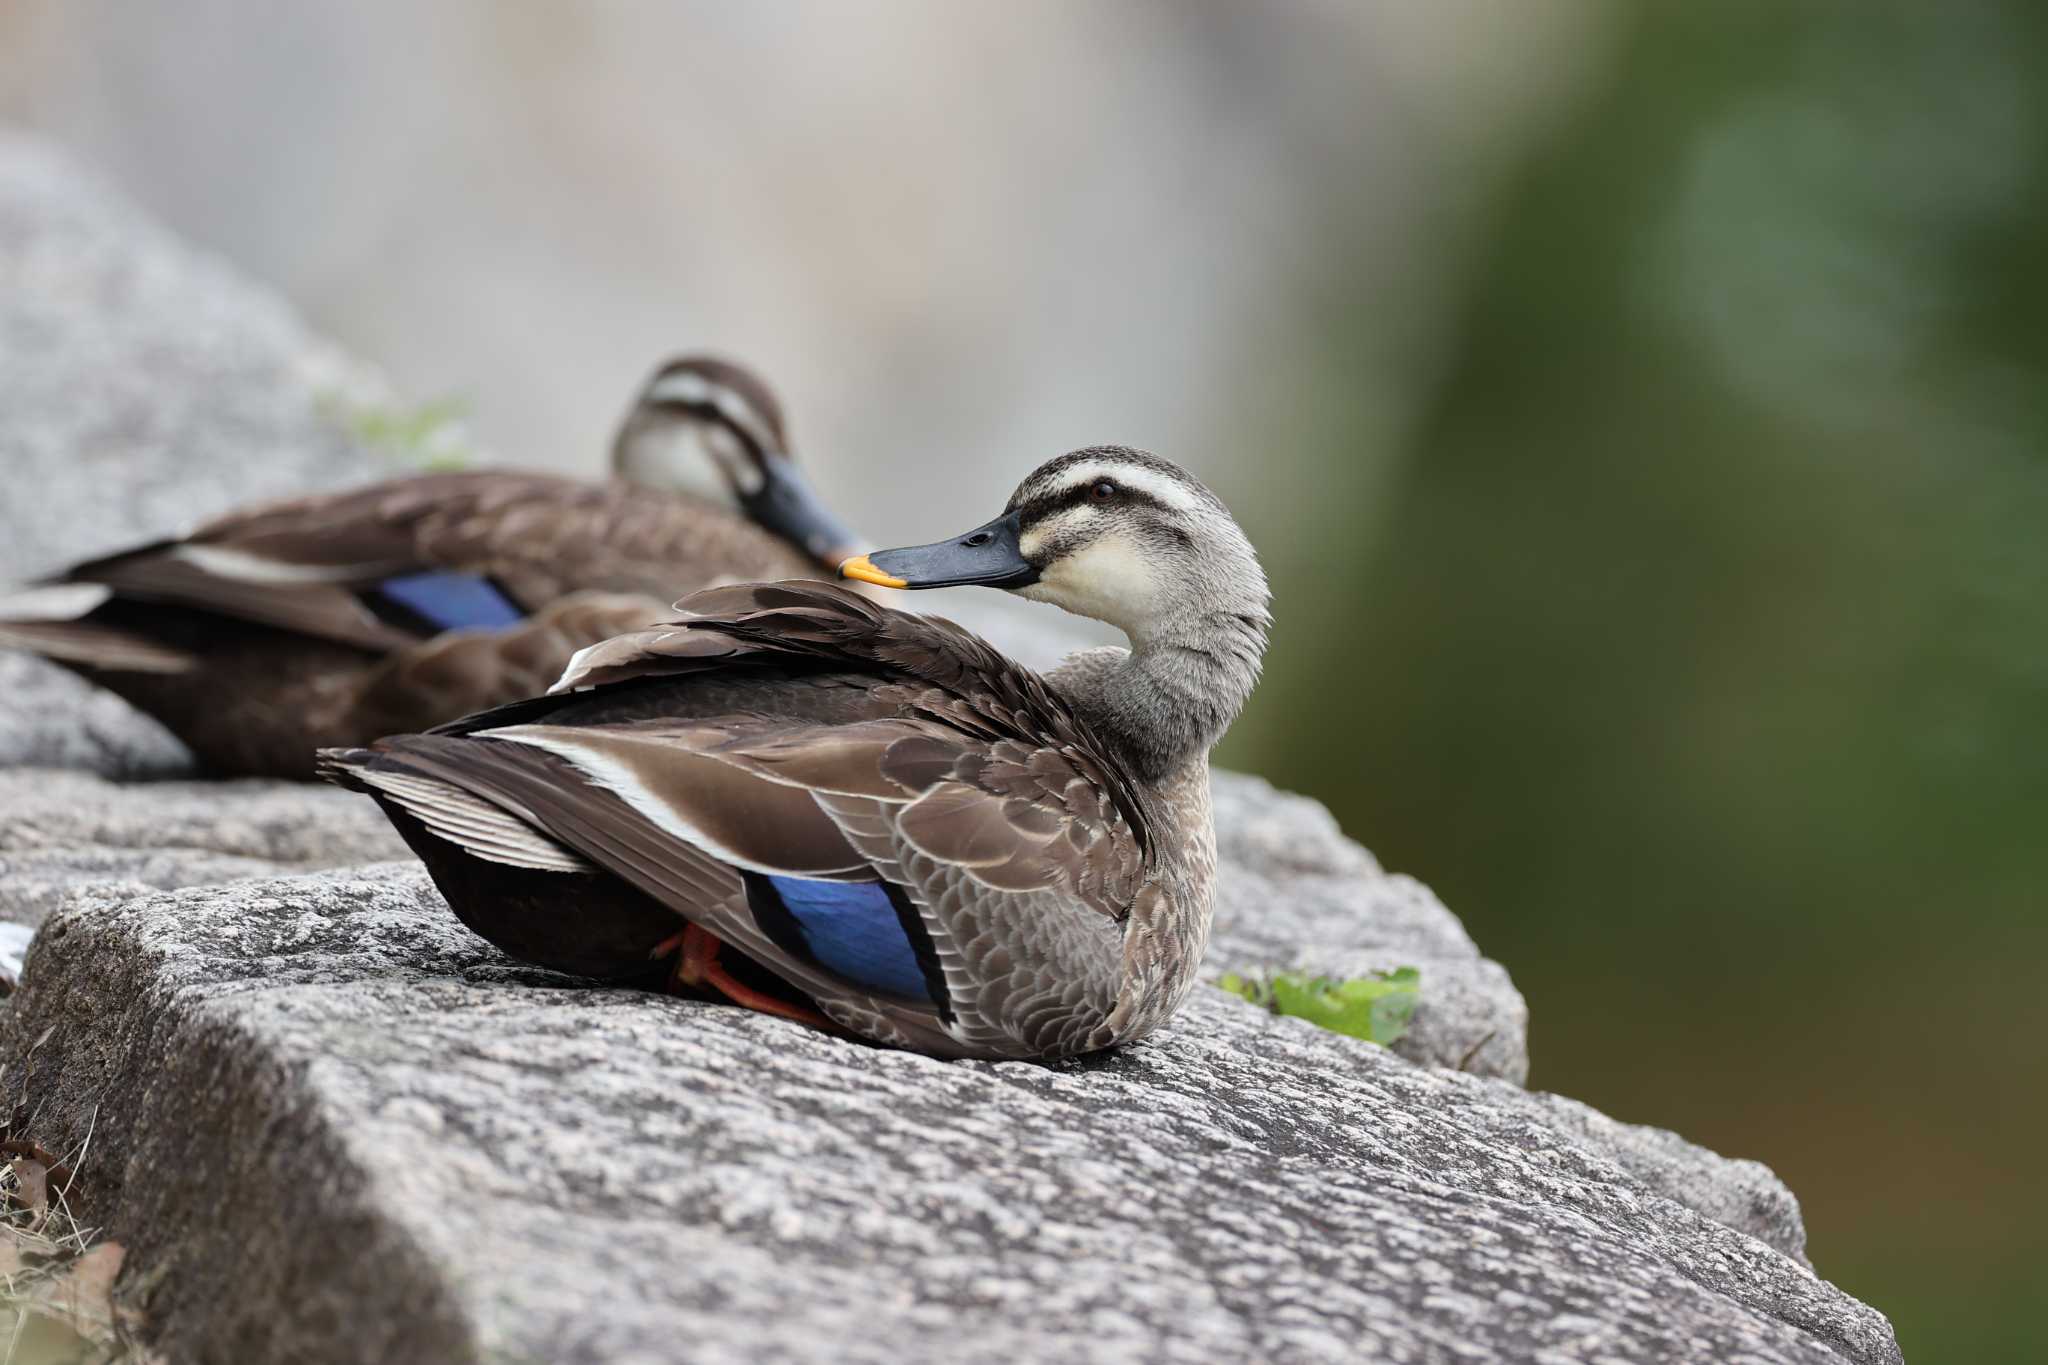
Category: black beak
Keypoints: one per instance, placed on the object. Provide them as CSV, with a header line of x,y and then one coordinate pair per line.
x,y
785,504
987,556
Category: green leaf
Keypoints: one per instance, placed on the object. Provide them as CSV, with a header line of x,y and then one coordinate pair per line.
x,y
1377,1008
1252,989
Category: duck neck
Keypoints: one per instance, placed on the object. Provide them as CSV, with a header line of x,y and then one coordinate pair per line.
x,y
1166,701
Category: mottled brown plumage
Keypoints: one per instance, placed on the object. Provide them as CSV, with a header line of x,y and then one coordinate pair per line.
x,y
267,633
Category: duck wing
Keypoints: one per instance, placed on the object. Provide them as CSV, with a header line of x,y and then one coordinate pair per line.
x,y
385,566
462,671
878,807
364,568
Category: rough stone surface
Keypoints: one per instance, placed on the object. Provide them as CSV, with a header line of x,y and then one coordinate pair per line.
x,y
143,387
338,1128
146,385
63,830
53,719
1743,1194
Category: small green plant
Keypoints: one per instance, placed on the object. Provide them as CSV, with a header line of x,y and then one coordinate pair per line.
x,y
1376,1008
432,435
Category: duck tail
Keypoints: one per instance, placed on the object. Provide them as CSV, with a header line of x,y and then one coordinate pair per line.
x,y
55,621
417,797
344,768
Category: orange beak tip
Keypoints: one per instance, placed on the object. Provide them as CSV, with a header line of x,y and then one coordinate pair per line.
x,y
862,569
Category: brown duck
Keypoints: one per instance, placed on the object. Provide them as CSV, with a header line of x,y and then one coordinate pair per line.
x,y
330,620
891,823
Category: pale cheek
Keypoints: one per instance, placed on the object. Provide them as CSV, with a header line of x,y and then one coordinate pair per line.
x,y
677,459
1109,582
732,459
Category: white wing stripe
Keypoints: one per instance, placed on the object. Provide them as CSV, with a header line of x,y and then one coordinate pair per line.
x,y
53,601
474,824
243,567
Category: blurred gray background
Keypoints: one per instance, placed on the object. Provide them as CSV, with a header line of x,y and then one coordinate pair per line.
x,y
961,238
1640,409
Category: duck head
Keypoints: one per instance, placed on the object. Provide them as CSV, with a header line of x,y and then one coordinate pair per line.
x,y
1111,533
712,428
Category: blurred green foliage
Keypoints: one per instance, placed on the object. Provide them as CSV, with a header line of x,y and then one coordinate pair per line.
x,y
1376,1008
1695,646
432,436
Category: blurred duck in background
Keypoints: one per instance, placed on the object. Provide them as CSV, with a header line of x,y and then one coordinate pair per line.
x,y
331,620
891,823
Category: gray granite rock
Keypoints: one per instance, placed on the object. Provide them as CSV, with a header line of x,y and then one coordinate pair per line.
x,y
53,719
336,1127
147,386
142,388
62,831
1742,1194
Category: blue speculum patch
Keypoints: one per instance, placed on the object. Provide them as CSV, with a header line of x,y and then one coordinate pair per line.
x,y
452,601
853,931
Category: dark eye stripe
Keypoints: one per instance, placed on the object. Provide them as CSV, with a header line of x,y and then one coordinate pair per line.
x,y
1049,504
749,435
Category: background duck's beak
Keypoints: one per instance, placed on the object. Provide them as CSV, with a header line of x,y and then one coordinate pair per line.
x,y
786,505
987,556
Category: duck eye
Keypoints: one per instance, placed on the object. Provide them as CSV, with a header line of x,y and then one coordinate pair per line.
x,y
1103,491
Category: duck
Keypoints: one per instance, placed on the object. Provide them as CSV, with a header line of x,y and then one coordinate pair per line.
x,y
330,620
867,819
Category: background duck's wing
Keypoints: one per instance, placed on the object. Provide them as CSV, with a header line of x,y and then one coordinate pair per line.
x,y
394,563
462,671
377,567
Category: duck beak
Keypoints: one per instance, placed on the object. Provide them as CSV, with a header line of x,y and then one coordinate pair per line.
x,y
988,556
786,505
